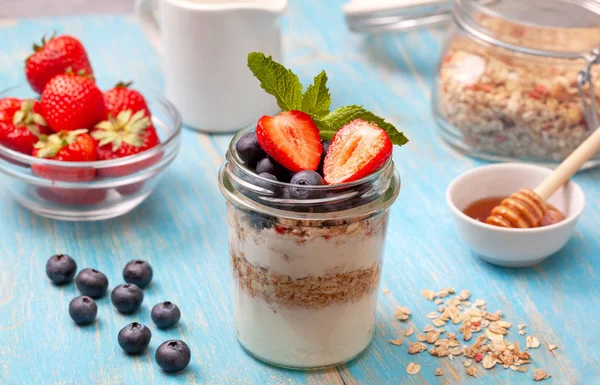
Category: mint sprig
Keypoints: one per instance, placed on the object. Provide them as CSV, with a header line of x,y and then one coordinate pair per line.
x,y
277,80
331,123
317,100
285,86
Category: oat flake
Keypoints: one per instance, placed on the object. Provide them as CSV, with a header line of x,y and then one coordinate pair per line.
x,y
396,342
413,368
540,375
416,347
552,347
409,332
532,342
439,372
429,295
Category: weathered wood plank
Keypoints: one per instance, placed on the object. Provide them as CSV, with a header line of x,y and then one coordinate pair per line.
x,y
181,230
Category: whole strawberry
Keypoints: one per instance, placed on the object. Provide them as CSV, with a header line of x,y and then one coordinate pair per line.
x,y
54,57
71,102
126,134
20,124
122,98
68,146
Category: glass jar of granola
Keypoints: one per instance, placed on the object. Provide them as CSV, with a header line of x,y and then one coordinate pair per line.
x,y
305,272
516,79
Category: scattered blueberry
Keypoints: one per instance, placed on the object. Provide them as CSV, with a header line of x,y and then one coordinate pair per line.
x,y
165,314
138,272
134,338
127,298
270,166
325,148
306,178
173,355
83,310
91,282
248,148
61,268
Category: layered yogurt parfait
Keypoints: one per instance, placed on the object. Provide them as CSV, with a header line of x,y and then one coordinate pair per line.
x,y
308,193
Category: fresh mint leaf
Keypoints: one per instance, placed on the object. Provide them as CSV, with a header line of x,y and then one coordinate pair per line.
x,y
316,100
335,120
277,80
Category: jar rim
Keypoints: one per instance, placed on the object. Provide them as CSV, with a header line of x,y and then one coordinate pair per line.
x,y
467,12
383,184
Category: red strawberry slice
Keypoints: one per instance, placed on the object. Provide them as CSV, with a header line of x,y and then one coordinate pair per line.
x,y
292,139
357,150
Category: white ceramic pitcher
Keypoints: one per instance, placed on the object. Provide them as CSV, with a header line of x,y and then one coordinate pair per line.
x,y
204,46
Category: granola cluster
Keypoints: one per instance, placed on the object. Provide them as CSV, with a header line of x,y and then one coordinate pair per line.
x,y
511,105
308,293
489,348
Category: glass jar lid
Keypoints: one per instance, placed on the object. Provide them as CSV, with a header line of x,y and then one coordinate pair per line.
x,y
569,27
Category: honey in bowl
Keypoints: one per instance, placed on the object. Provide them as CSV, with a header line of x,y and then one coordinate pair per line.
x,y
480,210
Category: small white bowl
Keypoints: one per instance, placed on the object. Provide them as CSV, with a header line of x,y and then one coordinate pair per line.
x,y
512,247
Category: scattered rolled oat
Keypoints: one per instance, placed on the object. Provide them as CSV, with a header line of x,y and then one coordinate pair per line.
x,y
489,362
432,336
438,322
396,342
532,342
439,372
413,368
401,314
465,295
540,375
429,295
489,348
386,291
552,347
521,332
472,372
416,347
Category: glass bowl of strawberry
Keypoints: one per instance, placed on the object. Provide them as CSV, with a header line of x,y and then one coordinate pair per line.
x,y
84,149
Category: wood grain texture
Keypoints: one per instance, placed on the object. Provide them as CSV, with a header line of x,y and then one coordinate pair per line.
x,y
181,230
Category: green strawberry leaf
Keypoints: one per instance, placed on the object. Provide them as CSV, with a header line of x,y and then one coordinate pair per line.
x,y
277,80
335,120
316,100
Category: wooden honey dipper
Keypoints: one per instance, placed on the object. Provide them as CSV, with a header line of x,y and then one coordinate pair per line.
x,y
526,208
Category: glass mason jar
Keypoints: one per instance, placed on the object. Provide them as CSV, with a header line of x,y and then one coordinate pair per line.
x,y
305,271
515,78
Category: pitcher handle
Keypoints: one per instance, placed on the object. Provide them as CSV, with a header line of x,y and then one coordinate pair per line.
x,y
144,10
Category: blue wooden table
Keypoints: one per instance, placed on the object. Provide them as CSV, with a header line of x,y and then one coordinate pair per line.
x,y
181,231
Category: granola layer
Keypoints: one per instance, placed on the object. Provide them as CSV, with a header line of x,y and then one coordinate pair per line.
x,y
511,105
308,293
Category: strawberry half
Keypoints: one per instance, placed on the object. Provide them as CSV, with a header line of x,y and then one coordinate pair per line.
x,y
357,150
292,139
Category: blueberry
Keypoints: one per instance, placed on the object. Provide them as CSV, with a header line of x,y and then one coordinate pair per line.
x,y
127,298
270,166
325,148
306,178
165,314
83,310
138,272
134,338
173,355
91,282
61,268
248,148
